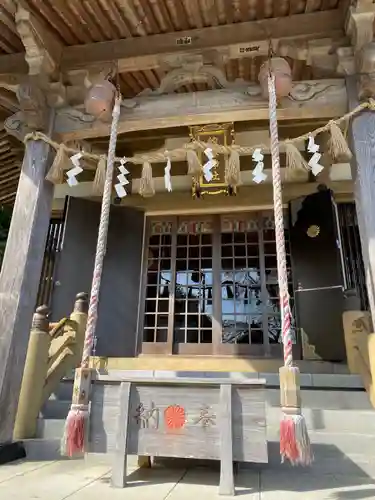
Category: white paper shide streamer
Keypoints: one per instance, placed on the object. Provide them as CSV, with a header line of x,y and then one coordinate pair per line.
x,y
209,165
314,164
258,172
122,180
167,176
77,169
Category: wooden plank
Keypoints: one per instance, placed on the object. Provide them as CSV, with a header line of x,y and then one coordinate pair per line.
x,y
323,99
19,278
120,455
226,486
318,24
259,382
172,289
249,425
362,136
216,284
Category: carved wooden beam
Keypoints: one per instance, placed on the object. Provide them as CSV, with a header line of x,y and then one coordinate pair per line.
x,y
360,22
311,99
43,50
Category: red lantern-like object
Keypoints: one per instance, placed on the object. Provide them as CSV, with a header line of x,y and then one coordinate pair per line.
x,y
100,99
283,76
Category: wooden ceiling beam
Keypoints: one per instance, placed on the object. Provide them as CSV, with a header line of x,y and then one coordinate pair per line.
x,y
149,52
322,99
316,25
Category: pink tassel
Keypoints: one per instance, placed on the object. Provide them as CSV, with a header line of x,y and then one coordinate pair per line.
x,y
74,439
294,440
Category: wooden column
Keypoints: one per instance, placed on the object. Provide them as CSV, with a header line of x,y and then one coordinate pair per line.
x,y
20,274
362,137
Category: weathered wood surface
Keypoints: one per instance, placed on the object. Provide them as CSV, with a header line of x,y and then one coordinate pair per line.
x,y
120,455
226,486
317,25
200,435
310,99
117,317
20,273
362,135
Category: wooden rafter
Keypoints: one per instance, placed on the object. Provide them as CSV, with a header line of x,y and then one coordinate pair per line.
x,y
144,52
317,25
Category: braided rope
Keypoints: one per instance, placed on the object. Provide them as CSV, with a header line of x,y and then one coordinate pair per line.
x,y
179,153
279,227
102,240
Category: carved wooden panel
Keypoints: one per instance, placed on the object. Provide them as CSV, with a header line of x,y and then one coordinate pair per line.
x,y
181,419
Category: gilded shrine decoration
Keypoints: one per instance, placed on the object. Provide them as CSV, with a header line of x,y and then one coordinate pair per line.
x,y
213,168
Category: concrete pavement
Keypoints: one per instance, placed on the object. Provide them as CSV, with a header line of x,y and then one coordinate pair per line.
x,y
336,475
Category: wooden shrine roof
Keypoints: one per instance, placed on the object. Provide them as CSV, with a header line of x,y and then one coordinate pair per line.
x,y
81,22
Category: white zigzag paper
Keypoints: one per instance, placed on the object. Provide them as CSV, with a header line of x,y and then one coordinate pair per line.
x,y
122,180
167,176
77,169
258,173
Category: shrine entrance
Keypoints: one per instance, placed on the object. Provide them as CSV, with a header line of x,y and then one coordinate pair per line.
x,y
210,286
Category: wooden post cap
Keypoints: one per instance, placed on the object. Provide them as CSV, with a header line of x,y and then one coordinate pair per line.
x,y
40,319
82,302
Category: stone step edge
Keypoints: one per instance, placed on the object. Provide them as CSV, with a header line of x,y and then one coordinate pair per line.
x,y
307,380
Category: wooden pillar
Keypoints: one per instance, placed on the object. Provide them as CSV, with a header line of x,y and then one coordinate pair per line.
x,y
20,275
362,138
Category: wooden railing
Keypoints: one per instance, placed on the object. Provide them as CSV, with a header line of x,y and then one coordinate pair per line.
x,y
54,350
360,348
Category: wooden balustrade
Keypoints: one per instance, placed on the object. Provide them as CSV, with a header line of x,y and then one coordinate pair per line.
x,y
54,350
360,348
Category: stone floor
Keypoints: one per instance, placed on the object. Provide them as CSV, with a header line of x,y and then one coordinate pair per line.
x,y
334,476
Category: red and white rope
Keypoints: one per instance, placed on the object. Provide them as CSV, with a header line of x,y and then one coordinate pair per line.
x,y
279,227
102,239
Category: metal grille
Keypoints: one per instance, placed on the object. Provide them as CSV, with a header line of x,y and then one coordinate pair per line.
x,y
51,253
353,267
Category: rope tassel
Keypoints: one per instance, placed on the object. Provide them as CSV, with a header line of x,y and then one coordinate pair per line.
x,y
76,426
146,187
338,146
56,172
194,165
294,439
99,179
295,162
233,169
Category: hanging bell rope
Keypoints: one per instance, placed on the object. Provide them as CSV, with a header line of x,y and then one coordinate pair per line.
x,y
76,427
294,440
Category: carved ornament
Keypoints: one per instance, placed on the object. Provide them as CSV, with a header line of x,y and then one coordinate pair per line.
x,y
219,105
15,126
43,51
360,22
193,71
33,104
365,64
